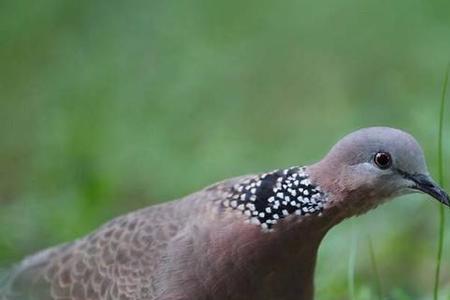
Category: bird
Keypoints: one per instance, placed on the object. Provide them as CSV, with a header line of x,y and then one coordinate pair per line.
x,y
249,237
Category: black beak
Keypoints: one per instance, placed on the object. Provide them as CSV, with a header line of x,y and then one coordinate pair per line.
x,y
425,184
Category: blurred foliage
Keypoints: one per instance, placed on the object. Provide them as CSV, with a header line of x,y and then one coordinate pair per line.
x,y
108,106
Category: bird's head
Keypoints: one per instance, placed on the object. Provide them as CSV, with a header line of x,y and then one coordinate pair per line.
x,y
373,164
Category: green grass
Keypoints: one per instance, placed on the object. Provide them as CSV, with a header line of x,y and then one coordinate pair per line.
x,y
106,107
442,208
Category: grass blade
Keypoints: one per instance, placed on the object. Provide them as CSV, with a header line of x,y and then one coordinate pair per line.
x,y
375,269
441,182
351,266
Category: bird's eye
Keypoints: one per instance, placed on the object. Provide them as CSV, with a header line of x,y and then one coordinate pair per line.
x,y
382,160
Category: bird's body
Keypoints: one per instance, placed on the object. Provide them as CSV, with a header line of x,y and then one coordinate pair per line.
x,y
251,237
202,252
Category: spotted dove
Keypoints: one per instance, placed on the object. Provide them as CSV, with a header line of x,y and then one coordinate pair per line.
x,y
250,237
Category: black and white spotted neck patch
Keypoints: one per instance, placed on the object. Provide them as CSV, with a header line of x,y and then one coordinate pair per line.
x,y
269,197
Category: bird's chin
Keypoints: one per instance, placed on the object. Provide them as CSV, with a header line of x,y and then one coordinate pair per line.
x,y
405,191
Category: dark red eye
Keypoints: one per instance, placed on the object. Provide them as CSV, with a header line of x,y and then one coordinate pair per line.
x,y
383,160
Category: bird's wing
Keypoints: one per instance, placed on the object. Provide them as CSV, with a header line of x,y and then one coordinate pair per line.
x,y
115,262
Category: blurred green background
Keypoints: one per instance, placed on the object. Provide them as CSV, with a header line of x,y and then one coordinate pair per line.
x,y
109,106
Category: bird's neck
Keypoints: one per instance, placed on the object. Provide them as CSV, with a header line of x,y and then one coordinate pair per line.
x,y
267,199
286,220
